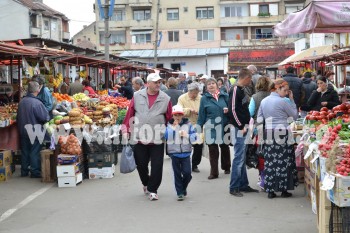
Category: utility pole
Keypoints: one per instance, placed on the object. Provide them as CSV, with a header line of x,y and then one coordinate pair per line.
x,y
106,7
156,42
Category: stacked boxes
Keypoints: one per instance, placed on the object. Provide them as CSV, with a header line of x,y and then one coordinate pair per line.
x,y
48,166
5,165
101,165
68,170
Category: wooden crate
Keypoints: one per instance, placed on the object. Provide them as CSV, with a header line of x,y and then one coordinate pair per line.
x,y
48,166
324,212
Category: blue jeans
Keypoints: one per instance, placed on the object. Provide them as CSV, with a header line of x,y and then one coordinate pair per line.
x,y
182,173
239,177
30,156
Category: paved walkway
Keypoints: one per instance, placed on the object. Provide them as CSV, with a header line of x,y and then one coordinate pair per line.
x,y
119,205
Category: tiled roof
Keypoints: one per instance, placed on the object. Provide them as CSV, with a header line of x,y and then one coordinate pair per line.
x,y
147,53
46,10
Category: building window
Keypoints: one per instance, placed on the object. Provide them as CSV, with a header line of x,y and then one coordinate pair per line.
x,y
33,21
205,12
263,9
262,33
119,15
205,35
115,38
186,32
46,25
143,38
173,36
233,11
173,14
142,14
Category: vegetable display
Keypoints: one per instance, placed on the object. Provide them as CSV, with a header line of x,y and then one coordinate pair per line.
x,y
70,145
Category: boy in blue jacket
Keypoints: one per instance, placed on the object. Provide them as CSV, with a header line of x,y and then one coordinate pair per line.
x,y
179,134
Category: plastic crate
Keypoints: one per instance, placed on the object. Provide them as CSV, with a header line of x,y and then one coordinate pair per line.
x,y
339,220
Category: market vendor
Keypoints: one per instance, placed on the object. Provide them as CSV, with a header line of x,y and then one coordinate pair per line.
x,y
125,88
87,89
323,96
44,95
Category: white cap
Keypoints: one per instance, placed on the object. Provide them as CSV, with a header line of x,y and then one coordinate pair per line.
x,y
153,77
204,77
177,109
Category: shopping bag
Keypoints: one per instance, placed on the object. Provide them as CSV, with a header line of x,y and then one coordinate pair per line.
x,y
127,160
252,159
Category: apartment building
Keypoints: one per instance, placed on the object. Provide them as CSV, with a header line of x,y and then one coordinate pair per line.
x,y
86,38
30,19
243,26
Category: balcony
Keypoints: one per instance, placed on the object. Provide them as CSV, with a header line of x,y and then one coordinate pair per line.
x,y
66,36
140,3
250,21
35,32
141,24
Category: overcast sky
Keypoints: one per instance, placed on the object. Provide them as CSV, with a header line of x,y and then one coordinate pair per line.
x,y
80,12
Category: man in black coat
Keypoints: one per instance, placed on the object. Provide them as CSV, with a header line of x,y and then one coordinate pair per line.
x,y
309,87
125,88
295,85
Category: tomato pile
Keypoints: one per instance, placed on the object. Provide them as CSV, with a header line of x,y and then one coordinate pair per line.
x,y
328,139
343,168
325,115
121,102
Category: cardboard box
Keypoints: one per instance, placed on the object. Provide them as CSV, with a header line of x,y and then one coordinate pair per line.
x,y
340,194
70,181
67,170
323,170
323,213
101,159
5,173
64,159
5,157
102,173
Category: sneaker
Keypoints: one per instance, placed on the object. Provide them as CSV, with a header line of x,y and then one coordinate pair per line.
x,y
271,195
249,189
236,193
180,197
185,193
145,191
153,197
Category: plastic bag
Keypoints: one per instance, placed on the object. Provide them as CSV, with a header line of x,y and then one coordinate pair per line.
x,y
127,160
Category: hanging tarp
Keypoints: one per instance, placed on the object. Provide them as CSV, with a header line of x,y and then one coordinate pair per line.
x,y
319,16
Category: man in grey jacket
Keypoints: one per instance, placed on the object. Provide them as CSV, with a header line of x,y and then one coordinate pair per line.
x,y
75,87
149,111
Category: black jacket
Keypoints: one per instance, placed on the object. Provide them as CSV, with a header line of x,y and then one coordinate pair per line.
x,y
330,96
127,90
296,86
238,102
309,87
174,95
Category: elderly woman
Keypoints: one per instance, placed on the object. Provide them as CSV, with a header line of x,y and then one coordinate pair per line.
x,y
212,114
323,96
280,168
190,102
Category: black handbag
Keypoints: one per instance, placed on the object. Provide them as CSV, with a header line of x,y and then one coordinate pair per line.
x,y
252,159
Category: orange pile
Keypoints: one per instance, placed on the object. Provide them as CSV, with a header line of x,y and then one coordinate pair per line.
x,y
61,97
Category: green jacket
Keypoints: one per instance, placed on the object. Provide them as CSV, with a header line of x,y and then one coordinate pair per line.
x,y
212,112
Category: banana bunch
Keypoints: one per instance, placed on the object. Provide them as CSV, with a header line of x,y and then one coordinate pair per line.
x,y
87,120
83,74
56,81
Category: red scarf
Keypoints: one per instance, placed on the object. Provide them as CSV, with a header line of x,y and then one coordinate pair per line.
x,y
216,95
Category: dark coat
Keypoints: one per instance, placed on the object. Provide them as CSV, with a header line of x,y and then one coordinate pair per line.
x,y
296,86
309,87
127,90
209,110
330,96
174,95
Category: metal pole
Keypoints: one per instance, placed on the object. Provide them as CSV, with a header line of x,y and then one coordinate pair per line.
x,y
156,41
106,42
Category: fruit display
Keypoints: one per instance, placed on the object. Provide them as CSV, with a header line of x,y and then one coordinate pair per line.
x,y
60,97
121,102
103,92
76,117
55,81
80,97
83,74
